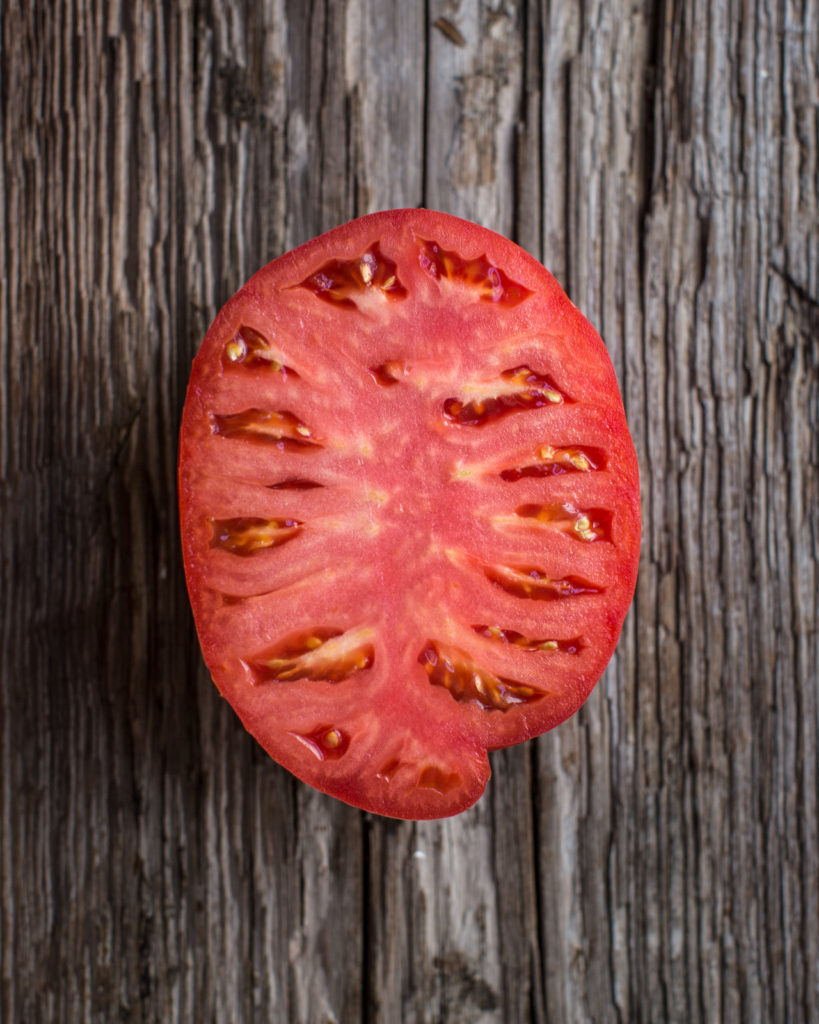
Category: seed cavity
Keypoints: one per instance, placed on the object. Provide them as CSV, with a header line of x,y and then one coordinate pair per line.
x,y
469,683
549,461
387,374
516,390
326,742
438,779
282,430
431,776
525,643
583,524
533,583
342,281
321,654
250,535
387,771
489,283
249,348
294,483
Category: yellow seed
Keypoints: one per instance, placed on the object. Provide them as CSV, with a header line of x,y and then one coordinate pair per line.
x,y
275,366
304,431
583,528
579,462
312,642
388,283
547,452
480,684
235,350
366,271
549,645
553,396
332,739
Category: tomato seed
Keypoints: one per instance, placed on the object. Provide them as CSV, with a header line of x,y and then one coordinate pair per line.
x,y
249,348
325,742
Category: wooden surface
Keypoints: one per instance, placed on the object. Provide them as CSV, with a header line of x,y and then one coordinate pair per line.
x,y
654,859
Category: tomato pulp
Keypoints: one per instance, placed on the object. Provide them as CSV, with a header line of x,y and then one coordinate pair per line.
x,y
409,507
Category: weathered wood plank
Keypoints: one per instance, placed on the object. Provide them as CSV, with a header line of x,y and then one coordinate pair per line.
x,y
653,859
473,92
384,80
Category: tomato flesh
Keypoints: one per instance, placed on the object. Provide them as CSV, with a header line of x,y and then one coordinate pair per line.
x,y
409,506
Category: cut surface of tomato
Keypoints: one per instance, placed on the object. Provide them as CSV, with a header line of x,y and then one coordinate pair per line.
x,y
409,506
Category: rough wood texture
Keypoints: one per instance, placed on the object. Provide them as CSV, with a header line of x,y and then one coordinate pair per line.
x,y
656,858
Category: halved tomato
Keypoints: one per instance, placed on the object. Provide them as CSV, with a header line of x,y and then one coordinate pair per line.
x,y
409,508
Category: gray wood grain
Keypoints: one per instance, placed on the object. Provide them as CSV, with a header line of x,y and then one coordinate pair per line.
x,y
653,859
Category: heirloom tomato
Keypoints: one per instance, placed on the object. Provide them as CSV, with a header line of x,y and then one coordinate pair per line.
x,y
409,508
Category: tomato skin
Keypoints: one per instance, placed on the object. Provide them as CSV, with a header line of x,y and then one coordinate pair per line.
x,y
409,507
